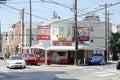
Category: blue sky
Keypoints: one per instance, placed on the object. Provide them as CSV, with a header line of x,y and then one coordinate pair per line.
x,y
10,16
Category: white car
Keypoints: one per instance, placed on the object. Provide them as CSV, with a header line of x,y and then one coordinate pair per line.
x,y
16,62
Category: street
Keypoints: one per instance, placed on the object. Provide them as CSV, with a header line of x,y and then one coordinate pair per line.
x,y
61,72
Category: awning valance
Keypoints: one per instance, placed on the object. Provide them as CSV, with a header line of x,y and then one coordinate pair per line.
x,y
69,48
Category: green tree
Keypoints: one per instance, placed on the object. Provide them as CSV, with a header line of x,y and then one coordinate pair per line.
x,y
115,44
6,56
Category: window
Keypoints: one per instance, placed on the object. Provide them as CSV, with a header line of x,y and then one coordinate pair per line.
x,y
61,30
91,28
91,40
54,30
69,30
61,53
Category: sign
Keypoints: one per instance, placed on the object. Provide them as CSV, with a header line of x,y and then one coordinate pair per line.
x,y
83,33
62,38
43,33
58,43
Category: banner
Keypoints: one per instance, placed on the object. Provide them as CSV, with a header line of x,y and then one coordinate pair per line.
x,y
83,33
43,33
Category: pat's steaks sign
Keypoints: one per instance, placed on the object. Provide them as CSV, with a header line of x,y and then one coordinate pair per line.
x,y
43,33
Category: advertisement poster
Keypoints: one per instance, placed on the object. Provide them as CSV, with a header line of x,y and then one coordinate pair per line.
x,y
44,33
83,33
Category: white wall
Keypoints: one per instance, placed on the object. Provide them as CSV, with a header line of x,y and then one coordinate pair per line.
x,y
67,31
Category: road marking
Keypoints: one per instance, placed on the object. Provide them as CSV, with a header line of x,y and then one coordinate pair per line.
x,y
113,71
107,74
103,73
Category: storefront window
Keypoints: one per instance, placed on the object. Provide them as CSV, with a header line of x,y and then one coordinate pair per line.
x,y
61,53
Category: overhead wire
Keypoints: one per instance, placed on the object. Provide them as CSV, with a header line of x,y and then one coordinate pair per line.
x,y
22,2
25,12
90,12
67,7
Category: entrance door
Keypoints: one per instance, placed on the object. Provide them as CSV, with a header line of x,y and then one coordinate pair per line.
x,y
71,57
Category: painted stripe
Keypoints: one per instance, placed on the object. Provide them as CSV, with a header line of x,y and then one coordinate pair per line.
x,y
103,75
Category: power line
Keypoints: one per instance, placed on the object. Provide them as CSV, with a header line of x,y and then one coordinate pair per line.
x,y
24,12
89,12
22,2
68,18
53,2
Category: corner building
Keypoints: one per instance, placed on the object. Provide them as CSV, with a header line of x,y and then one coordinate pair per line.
x,y
57,40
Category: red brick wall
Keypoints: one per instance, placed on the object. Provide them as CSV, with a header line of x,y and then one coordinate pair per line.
x,y
16,33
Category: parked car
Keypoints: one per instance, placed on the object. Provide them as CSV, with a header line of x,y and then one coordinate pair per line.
x,y
30,58
96,59
118,64
16,62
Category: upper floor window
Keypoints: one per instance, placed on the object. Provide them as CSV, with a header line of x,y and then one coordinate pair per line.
x,y
91,41
69,31
91,28
54,31
61,30
118,26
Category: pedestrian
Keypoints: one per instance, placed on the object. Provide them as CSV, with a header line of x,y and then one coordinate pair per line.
x,y
110,56
39,53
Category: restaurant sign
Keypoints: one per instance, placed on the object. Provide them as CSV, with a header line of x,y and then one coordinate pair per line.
x,y
83,33
43,33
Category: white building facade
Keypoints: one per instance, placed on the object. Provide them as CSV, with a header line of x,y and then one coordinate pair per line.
x,y
57,40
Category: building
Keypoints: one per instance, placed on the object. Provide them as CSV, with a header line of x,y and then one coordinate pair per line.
x,y
55,39
57,43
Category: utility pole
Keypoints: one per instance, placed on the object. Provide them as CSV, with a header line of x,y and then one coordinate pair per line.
x,y
76,37
30,24
0,38
22,29
109,39
106,31
106,35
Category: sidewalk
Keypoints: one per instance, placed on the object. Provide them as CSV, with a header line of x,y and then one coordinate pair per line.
x,y
111,62
116,78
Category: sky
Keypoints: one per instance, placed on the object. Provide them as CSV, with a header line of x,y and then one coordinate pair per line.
x,y
10,14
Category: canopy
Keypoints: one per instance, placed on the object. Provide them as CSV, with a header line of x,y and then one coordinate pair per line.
x,y
38,46
72,48
89,47
69,48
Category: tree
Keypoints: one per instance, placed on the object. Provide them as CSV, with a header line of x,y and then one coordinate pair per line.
x,y
115,45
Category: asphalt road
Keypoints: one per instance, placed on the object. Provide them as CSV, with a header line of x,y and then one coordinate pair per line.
x,y
61,72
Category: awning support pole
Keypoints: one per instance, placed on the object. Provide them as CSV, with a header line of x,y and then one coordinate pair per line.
x,y
45,57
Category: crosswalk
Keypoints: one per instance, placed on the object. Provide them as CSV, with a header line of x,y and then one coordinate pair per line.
x,y
101,71
97,71
27,69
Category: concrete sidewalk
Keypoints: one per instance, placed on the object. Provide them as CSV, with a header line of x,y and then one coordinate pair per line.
x,y
116,78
